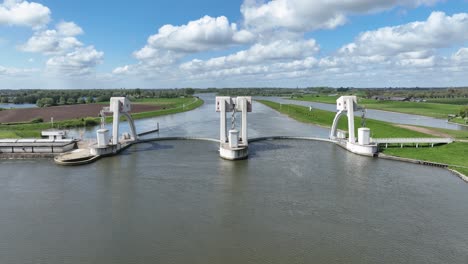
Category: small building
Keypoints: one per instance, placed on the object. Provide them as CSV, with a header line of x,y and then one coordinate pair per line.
x,y
54,134
378,97
399,99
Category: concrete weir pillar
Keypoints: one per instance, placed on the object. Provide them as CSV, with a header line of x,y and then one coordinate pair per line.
x,y
364,146
233,144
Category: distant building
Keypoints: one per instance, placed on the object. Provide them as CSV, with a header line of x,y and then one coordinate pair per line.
x,y
379,98
399,99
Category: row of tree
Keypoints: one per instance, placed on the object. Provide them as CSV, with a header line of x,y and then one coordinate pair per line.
x,y
61,97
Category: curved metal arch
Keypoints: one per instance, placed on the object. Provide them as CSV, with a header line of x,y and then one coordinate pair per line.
x,y
334,127
132,125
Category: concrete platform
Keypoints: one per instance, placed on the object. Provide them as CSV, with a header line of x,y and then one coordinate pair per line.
x,y
228,153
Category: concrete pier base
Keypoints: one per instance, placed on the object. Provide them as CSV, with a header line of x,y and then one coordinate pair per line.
x,y
229,153
367,150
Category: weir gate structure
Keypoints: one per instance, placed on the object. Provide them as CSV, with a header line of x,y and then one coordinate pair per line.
x,y
233,142
232,146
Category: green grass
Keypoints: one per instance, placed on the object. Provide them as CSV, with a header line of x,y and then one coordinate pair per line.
x,y
461,170
452,154
180,106
437,110
455,101
379,129
317,98
459,120
33,130
165,101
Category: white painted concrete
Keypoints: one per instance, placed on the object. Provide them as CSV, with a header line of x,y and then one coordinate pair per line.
x,y
364,136
232,146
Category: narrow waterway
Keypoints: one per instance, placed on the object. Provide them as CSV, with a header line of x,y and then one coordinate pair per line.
x,y
178,202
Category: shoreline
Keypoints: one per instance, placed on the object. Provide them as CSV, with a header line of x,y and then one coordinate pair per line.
x,y
379,109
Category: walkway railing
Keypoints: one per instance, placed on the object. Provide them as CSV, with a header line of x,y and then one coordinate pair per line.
x,y
415,141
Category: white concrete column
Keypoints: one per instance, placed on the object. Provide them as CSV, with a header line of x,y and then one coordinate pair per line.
x,y
244,121
115,126
352,137
222,127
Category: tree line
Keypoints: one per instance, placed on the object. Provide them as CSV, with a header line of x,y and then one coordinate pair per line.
x,y
43,98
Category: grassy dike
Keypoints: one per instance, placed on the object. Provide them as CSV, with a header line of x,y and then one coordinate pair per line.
x,y
455,154
379,129
31,130
437,110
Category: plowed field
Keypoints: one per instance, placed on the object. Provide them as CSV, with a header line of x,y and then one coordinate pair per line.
x,y
64,112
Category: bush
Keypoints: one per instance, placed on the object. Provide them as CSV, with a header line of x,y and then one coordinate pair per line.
x,y
90,121
37,120
45,102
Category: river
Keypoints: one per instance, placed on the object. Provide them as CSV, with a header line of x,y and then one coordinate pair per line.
x,y
178,202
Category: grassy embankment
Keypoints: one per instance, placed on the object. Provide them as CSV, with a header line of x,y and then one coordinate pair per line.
x,y
437,110
171,105
379,129
455,154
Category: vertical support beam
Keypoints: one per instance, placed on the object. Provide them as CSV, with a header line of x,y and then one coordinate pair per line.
x,y
352,137
115,125
244,121
222,127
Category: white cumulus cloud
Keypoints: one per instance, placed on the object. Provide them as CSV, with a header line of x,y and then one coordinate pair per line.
x,y
11,71
59,40
438,31
306,15
203,34
23,13
258,54
81,61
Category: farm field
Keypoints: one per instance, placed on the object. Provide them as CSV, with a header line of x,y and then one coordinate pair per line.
x,y
84,115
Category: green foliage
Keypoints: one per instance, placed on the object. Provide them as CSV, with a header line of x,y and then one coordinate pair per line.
x,y
463,112
45,102
37,120
80,100
62,101
189,91
103,98
71,101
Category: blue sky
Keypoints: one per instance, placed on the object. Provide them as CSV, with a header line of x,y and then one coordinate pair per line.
x,y
206,43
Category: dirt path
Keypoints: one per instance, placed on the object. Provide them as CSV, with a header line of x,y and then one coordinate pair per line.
x,y
425,130
64,112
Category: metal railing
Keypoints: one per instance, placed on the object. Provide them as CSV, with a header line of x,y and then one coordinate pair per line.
x,y
411,140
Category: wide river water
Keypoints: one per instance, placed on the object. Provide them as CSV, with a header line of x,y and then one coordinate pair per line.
x,y
178,202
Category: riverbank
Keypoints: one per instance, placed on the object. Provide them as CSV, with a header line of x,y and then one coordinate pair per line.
x,y
168,106
455,155
379,129
437,110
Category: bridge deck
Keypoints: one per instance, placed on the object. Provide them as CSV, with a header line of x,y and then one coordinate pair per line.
x,y
412,140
